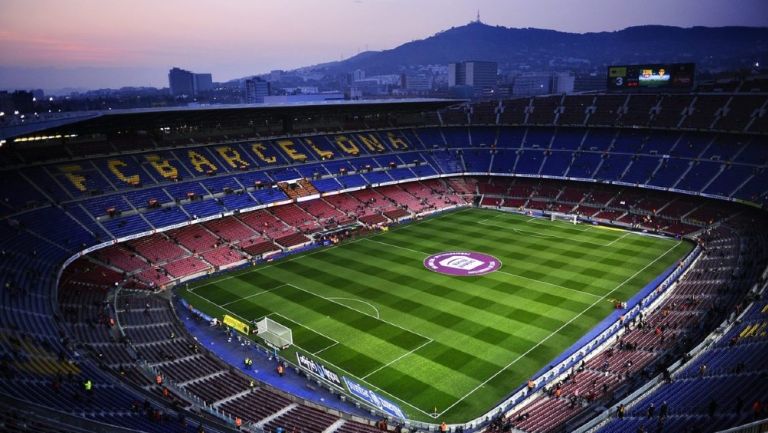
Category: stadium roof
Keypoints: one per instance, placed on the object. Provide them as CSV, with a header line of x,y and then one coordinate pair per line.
x,y
104,120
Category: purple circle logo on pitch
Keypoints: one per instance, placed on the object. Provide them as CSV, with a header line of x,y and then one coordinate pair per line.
x,y
462,263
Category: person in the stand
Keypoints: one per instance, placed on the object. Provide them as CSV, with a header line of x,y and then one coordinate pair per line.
x,y
280,369
443,427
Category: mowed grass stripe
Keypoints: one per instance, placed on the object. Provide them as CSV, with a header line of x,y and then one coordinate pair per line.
x,y
478,325
593,272
425,313
443,314
445,320
376,339
554,333
514,221
560,253
480,369
592,278
486,291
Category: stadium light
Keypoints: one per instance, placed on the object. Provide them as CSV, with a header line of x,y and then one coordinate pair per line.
x,y
2,142
2,113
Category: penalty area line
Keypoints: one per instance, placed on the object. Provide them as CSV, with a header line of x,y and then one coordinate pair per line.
x,y
397,359
253,295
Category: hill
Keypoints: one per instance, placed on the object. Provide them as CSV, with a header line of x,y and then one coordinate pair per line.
x,y
711,48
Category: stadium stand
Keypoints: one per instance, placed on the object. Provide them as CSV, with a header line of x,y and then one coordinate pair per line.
x,y
147,217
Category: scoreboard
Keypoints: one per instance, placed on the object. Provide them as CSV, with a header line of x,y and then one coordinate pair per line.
x,y
673,76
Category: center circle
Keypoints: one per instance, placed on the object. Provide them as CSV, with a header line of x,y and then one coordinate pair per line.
x,y
462,263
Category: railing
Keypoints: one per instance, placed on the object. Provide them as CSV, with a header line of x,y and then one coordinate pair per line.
x,y
753,427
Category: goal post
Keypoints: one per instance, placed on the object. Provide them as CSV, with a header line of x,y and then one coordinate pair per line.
x,y
273,333
558,216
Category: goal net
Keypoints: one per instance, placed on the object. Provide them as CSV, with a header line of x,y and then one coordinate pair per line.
x,y
557,216
273,333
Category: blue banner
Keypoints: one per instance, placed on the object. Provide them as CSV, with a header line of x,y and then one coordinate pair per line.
x,y
373,399
318,370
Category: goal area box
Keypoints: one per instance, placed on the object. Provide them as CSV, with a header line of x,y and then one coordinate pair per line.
x,y
273,333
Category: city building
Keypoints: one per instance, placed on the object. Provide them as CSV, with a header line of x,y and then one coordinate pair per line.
x,y
256,90
186,83
536,83
417,82
181,82
476,74
203,83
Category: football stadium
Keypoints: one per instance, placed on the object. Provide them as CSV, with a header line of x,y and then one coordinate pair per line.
x,y
589,262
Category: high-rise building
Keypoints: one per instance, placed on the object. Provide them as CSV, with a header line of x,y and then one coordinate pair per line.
x,y
255,90
203,83
476,74
181,82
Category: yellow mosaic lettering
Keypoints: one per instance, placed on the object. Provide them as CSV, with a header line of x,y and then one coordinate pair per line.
x,y
346,145
232,157
259,149
287,146
371,142
71,173
396,142
199,161
324,154
163,166
115,165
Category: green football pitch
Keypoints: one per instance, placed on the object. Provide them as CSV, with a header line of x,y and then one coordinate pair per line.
x,y
436,343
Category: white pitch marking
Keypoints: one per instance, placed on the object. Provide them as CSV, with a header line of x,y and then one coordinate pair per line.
x,y
617,239
397,359
325,348
378,316
549,284
253,295
397,246
355,309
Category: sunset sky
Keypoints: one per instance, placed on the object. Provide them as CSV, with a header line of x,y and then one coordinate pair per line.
x,y
109,43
